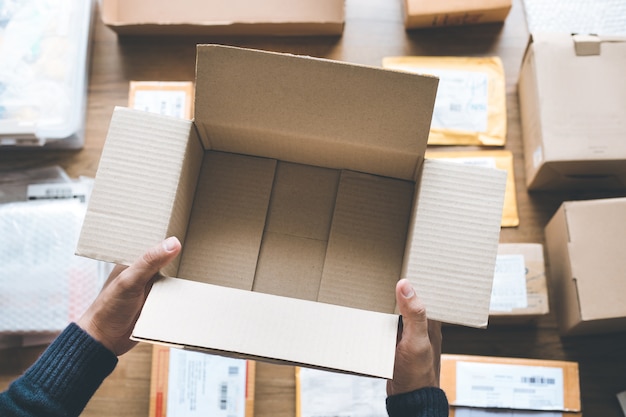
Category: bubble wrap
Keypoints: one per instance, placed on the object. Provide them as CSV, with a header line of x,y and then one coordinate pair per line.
x,y
43,285
600,17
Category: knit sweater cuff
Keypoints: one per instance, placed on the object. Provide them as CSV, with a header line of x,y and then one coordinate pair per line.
x,y
429,401
72,368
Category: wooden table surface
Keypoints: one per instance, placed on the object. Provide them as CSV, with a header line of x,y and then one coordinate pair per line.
x,y
373,30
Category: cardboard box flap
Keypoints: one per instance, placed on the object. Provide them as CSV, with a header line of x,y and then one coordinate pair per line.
x,y
148,164
313,111
297,331
453,239
597,238
220,12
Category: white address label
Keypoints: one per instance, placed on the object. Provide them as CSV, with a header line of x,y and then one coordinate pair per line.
x,y
509,386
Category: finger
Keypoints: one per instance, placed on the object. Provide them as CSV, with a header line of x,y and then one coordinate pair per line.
x,y
155,258
413,312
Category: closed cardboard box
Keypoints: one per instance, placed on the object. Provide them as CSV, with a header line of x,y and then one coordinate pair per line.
x,y
425,14
572,101
586,243
217,17
301,194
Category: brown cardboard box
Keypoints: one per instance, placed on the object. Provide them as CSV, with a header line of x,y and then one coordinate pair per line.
x,y
536,304
425,14
301,195
586,243
235,17
571,93
527,375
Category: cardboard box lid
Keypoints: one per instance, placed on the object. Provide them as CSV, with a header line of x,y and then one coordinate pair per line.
x,y
212,16
581,91
313,111
597,238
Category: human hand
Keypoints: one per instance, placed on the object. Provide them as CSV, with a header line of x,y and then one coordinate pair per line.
x,y
111,317
418,351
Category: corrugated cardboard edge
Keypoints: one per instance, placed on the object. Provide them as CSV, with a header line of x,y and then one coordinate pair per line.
x,y
264,326
455,203
571,388
125,216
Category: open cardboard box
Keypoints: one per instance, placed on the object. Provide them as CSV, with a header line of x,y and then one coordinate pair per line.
x,y
234,17
571,94
301,195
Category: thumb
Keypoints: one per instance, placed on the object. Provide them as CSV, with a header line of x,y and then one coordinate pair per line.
x,y
414,321
155,258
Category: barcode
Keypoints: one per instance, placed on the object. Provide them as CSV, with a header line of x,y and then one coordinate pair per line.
x,y
538,380
223,396
233,370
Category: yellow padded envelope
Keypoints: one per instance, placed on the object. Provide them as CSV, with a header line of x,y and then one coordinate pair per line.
x,y
470,108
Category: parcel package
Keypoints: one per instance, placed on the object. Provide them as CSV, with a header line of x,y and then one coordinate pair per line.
x,y
470,108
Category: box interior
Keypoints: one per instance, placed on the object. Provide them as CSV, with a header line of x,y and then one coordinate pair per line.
x,y
296,230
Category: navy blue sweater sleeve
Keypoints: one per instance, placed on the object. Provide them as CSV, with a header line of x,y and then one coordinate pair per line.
x,y
62,380
425,402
